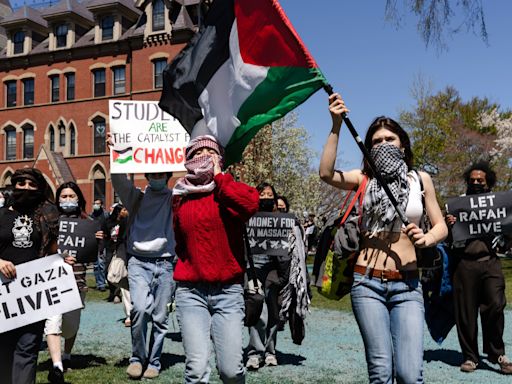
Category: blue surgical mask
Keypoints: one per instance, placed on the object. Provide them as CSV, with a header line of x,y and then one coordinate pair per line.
x,y
157,184
68,206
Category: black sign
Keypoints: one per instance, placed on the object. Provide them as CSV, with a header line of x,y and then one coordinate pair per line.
x,y
77,238
268,233
480,215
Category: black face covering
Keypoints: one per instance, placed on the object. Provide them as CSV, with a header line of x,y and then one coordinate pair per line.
x,y
25,200
267,205
474,189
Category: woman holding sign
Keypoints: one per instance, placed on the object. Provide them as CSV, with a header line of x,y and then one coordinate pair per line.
x,y
209,215
386,295
28,230
71,204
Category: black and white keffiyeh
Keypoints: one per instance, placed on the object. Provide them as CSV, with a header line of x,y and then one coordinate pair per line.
x,y
378,212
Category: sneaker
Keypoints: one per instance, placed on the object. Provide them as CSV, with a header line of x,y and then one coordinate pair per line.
x,y
116,300
66,363
134,370
55,376
270,361
150,373
468,366
253,363
505,365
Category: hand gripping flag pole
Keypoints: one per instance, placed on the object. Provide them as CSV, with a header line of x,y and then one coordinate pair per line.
x,y
371,163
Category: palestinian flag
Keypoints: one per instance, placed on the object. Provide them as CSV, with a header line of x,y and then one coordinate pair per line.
x,y
122,156
245,68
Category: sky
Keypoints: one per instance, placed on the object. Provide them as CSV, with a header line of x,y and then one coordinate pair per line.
x,y
373,65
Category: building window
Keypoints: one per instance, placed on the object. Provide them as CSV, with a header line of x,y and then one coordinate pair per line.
x,y
10,144
72,140
52,138
99,189
28,92
99,135
61,35
10,88
19,42
28,142
70,86
158,69
99,82
158,15
107,28
55,87
62,135
119,80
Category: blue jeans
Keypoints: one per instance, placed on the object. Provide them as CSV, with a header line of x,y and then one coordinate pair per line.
x,y
390,317
151,288
99,271
211,311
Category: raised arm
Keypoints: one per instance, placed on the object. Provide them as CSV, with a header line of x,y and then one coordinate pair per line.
x,y
343,180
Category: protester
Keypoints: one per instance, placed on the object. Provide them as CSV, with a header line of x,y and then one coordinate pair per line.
x,y
5,197
71,204
150,249
282,204
29,213
479,284
386,294
209,216
99,214
273,273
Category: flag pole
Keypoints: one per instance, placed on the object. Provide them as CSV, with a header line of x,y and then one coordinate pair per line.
x,y
371,163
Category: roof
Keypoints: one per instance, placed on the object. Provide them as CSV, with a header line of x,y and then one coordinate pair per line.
x,y
65,7
128,4
25,14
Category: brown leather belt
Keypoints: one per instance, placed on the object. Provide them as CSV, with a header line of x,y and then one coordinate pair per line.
x,y
385,275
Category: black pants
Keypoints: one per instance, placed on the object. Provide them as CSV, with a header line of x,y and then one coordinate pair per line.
x,y
480,285
18,354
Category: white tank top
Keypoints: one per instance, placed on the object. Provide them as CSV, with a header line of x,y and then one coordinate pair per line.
x,y
414,209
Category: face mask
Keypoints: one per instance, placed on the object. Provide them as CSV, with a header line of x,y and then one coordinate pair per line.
x,y
266,205
25,200
157,184
282,210
474,189
2,202
96,207
68,206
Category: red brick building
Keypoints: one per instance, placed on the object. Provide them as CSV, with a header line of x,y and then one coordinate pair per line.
x,y
60,66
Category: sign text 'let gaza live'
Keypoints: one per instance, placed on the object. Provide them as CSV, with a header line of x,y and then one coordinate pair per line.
x,y
145,138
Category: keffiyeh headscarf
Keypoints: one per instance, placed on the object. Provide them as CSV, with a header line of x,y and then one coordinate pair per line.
x,y
378,212
199,177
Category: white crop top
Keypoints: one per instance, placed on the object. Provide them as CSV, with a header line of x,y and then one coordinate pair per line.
x,y
414,209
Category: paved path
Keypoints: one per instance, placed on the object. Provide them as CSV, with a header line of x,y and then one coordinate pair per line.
x,y
331,353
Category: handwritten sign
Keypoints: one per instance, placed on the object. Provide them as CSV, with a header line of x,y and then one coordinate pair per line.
x,y
145,138
480,215
77,237
268,233
42,288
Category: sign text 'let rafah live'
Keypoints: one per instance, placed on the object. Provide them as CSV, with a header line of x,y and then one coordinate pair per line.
x,y
42,288
480,215
77,237
268,233
145,138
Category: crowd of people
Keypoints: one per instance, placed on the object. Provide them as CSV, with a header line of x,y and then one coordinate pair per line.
x,y
187,245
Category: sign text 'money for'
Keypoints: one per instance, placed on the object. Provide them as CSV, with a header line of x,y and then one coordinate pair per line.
x,y
77,237
42,288
480,215
145,138
268,233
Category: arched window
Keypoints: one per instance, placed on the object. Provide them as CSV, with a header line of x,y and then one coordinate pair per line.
x,y
10,143
62,135
72,140
158,15
28,141
98,176
100,129
52,138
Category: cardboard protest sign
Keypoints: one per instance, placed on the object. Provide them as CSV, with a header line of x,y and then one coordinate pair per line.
x,y
480,215
77,238
42,288
145,138
268,233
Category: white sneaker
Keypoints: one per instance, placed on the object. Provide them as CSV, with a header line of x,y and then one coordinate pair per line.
x,y
253,363
270,361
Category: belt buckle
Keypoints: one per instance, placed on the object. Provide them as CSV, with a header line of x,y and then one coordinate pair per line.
x,y
383,278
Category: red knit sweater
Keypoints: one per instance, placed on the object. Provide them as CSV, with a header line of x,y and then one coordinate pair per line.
x,y
208,230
